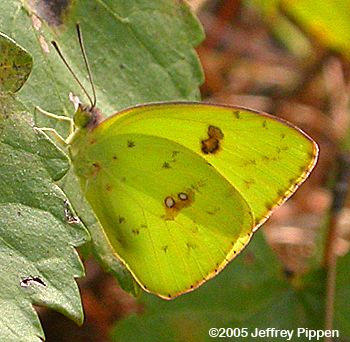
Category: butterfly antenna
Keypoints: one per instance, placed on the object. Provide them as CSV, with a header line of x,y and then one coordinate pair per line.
x,y
82,48
55,45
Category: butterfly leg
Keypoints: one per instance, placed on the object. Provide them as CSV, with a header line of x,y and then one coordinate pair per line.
x,y
52,132
56,117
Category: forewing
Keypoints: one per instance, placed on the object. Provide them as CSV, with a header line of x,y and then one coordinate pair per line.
x,y
263,157
171,217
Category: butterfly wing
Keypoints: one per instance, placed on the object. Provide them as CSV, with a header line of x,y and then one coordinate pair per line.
x,y
263,157
172,218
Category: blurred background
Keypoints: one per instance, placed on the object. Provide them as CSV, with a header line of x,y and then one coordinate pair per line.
x,y
288,58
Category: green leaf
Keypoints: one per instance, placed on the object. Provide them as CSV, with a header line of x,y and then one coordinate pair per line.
x,y
139,52
15,65
38,260
36,240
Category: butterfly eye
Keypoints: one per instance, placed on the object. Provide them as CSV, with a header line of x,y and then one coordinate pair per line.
x,y
169,202
182,196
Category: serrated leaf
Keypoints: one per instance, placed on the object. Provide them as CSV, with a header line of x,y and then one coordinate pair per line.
x,y
36,240
38,262
15,65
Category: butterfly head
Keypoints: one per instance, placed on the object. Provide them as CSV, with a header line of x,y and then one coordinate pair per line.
x,y
87,116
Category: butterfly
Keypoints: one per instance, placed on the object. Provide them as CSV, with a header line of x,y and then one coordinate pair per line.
x,y
179,188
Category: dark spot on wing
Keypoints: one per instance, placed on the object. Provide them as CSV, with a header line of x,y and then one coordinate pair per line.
x,y
96,167
237,114
249,162
302,169
281,193
264,124
166,165
121,219
311,155
135,231
165,248
174,204
109,187
114,157
131,144
269,206
190,245
212,143
249,183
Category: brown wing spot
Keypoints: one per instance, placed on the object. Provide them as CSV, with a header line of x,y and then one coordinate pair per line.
x,y
212,143
281,193
114,157
92,141
173,204
121,219
169,295
264,124
165,248
237,114
269,206
96,167
191,245
174,155
249,162
312,154
302,169
249,182
131,143
292,181
135,231
166,165
283,135
109,187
